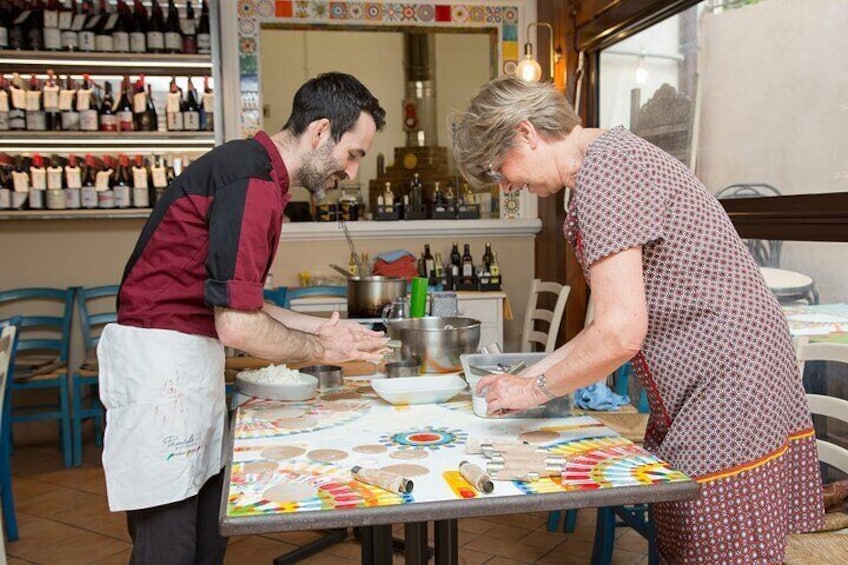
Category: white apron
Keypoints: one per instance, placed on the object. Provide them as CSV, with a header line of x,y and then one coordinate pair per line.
x,y
165,414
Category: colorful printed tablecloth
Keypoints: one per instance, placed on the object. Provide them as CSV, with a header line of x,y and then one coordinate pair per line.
x,y
296,457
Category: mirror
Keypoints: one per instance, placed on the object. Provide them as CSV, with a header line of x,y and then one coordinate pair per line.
x,y
463,59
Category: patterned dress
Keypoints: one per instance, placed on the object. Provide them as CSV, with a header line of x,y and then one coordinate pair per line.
x,y
727,402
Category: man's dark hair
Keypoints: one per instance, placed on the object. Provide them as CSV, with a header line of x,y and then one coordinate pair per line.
x,y
338,97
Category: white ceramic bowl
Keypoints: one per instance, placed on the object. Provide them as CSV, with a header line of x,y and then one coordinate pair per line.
x,y
418,390
302,389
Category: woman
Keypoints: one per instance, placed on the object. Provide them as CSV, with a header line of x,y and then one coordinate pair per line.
x,y
677,293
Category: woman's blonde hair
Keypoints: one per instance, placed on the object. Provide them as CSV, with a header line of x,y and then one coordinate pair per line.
x,y
485,131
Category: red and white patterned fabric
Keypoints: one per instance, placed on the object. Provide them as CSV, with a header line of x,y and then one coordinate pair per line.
x,y
727,403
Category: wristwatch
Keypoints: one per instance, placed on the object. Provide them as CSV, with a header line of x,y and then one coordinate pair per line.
x,y
542,384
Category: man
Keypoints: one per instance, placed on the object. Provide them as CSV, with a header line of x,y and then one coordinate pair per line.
x,y
194,285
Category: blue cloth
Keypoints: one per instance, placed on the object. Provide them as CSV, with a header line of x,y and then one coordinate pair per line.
x,y
392,256
599,396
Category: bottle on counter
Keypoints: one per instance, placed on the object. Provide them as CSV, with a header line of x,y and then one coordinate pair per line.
x,y
173,32
207,108
104,186
55,194
35,117
86,105
138,28
70,117
204,37
88,191
467,274
141,189
495,270
159,178
122,183
156,29
50,98
429,262
174,108
189,29
124,108
191,109
107,117
38,182
487,256
73,183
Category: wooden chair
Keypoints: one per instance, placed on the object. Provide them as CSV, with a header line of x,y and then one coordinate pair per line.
x,y
7,365
537,313
41,358
97,307
824,546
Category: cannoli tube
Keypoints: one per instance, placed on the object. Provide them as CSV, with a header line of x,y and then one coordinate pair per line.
x,y
474,445
511,457
497,470
507,474
476,476
383,479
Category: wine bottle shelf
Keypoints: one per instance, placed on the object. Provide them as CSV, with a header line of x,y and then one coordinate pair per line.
x,y
110,214
64,62
59,141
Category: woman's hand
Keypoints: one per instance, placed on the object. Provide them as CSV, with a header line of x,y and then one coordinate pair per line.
x,y
507,393
349,341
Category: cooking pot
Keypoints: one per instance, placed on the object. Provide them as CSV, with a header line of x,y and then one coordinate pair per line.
x,y
436,343
366,296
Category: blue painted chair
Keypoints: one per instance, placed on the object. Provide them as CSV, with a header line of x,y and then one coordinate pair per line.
x,y
97,308
295,292
8,345
276,296
41,360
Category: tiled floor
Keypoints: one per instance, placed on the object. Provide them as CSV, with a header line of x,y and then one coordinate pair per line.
x,y
63,518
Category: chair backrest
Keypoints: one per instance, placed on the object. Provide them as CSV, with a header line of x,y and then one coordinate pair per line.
x,y
830,453
7,355
97,307
45,319
276,296
766,252
535,312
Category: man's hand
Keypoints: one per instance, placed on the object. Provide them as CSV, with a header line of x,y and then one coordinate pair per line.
x,y
349,341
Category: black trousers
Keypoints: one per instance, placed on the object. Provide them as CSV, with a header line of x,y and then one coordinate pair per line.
x,y
180,533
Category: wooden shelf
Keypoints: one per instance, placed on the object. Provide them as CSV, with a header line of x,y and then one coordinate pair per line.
x,y
63,141
102,214
76,62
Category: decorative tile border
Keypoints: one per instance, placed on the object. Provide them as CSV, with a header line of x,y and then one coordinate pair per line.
x,y
500,15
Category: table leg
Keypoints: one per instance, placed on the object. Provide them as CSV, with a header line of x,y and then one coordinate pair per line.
x,y
447,542
416,550
377,544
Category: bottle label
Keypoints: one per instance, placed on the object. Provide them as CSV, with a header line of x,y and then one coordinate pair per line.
x,y
52,38
204,43
173,41
39,178
159,178
20,181
33,100
108,122
468,270
51,19
73,177
19,98
36,121
139,177
125,120
106,199
36,198
66,19
88,120
121,41
66,99
72,198
101,181
4,39
122,196
139,102
83,99
174,121
191,121
140,197
79,22
104,43
110,23
51,98
56,199
4,121
86,41
4,101
17,118
5,198
189,27
70,121
54,178
155,40
70,40
208,102
138,42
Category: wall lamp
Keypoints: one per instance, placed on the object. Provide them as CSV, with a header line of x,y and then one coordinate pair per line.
x,y
529,68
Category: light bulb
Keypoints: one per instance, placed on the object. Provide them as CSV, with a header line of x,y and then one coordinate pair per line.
x,y
641,73
529,69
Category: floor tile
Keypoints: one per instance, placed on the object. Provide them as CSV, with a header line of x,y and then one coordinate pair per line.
x,y
256,549
82,547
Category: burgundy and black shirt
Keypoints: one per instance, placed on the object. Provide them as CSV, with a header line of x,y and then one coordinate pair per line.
x,y
209,241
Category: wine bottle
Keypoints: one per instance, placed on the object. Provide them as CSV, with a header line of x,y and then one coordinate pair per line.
x,y
107,117
88,191
73,183
207,108
18,28
155,29
174,108
86,105
204,37
38,182
191,111
467,265
189,30
141,190
122,183
138,28
35,117
151,120
124,109
103,184
52,34
4,29
68,107
50,94
4,105
55,194
159,176
20,182
173,33
487,256
429,262
103,31
121,29
17,108
71,22
35,31
5,189
87,37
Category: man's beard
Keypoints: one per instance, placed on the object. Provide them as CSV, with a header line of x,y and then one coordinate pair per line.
x,y
314,173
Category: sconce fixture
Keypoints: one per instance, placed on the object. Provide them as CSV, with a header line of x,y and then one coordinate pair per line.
x,y
529,68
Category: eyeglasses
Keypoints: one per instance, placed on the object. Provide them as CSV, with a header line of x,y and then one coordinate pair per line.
x,y
494,173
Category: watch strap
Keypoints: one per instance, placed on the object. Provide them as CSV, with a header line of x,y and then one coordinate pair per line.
x,y
542,384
